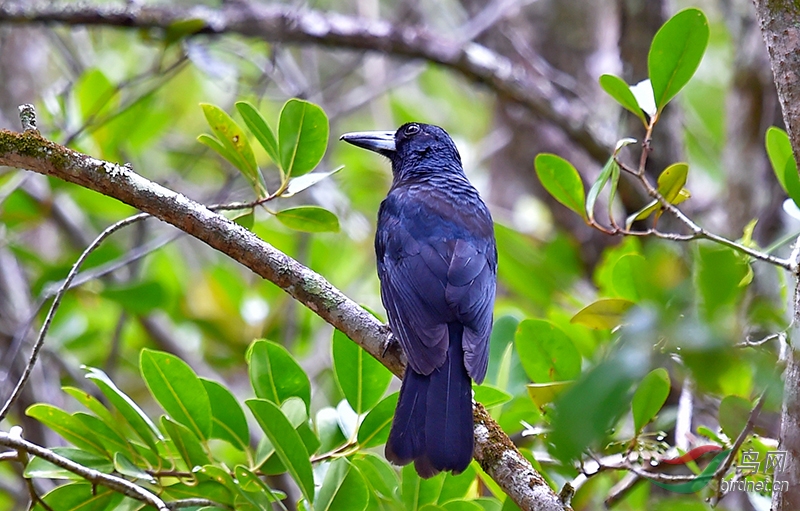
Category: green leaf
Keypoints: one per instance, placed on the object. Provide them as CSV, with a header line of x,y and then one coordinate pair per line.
x,y
235,146
126,467
275,375
228,420
137,298
186,442
562,181
461,505
328,430
363,379
672,180
457,486
309,219
417,492
650,396
253,484
544,393
211,490
298,184
603,314
676,52
621,92
374,430
287,442
343,488
39,468
79,497
70,428
379,476
598,186
178,390
628,277
110,438
256,123
546,353
489,395
734,412
779,151
302,136
792,180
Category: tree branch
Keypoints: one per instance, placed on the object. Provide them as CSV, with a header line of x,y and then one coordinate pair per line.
x,y
778,21
291,25
29,150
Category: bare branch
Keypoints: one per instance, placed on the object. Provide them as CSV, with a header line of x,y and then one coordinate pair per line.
x,y
493,449
292,25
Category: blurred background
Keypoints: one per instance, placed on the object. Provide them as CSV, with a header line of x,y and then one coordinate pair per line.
x,y
132,95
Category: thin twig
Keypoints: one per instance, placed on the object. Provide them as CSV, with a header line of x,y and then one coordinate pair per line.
x,y
54,307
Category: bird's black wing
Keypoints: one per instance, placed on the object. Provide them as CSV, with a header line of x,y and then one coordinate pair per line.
x,y
431,277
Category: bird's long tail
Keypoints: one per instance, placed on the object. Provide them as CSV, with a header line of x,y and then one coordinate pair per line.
x,y
433,420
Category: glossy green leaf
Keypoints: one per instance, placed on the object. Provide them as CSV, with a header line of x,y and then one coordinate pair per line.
x,y
328,431
544,393
603,314
178,390
621,92
211,490
251,483
650,396
461,505
275,375
380,477
610,172
457,486
302,136
256,123
186,442
672,180
236,147
562,181
70,428
546,353
363,379
108,437
676,52
374,429
779,151
39,468
228,420
126,467
792,180
489,395
628,277
309,219
734,411
298,184
79,497
287,442
343,488
416,492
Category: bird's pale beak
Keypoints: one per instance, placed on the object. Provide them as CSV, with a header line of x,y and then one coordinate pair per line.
x,y
379,141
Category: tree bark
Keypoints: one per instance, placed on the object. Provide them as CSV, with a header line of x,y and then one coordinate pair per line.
x,y
779,26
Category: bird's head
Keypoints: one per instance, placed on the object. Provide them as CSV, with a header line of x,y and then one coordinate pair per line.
x,y
413,147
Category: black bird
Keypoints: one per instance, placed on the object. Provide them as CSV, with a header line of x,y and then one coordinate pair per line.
x,y
437,264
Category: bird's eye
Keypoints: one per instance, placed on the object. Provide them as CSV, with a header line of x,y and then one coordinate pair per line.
x,y
411,129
